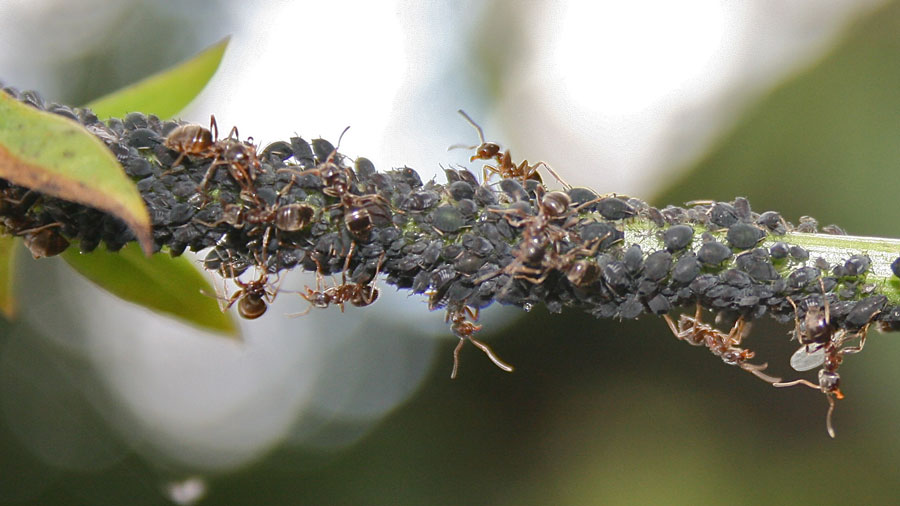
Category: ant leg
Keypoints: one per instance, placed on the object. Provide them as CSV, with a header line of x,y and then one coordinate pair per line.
x,y
798,382
209,174
825,298
737,332
213,127
756,370
796,317
487,351
39,229
347,263
566,186
459,346
672,326
178,160
828,426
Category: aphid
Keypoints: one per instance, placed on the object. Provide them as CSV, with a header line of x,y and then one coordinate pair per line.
x,y
678,237
725,346
823,345
505,168
462,324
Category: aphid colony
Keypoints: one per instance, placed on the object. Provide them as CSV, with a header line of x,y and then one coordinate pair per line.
x,y
466,244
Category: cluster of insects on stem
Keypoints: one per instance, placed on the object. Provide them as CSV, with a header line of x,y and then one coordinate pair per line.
x,y
823,344
252,214
541,250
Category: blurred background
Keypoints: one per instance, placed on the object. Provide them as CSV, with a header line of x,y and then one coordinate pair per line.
x,y
792,104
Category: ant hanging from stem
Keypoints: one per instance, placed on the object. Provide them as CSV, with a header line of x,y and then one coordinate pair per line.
x,y
505,168
253,297
823,344
358,294
463,328
725,346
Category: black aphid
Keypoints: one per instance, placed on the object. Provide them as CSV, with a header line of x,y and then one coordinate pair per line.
x,y
713,253
744,235
678,237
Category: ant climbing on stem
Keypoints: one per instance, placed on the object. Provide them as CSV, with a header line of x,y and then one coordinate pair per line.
x,y
505,167
238,156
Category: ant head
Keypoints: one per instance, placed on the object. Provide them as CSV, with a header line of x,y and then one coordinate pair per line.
x,y
486,151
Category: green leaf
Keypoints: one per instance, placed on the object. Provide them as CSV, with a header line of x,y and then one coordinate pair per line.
x,y
8,250
57,156
167,92
169,285
162,283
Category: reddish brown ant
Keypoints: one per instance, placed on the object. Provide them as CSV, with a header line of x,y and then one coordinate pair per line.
x,y
238,156
725,346
358,294
505,168
192,139
532,260
253,297
463,328
286,218
44,241
823,344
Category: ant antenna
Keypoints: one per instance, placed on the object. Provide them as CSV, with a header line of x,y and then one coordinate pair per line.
x,y
336,148
477,129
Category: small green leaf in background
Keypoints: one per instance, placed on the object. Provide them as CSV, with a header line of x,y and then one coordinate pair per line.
x,y
57,156
165,93
160,282
157,283
8,252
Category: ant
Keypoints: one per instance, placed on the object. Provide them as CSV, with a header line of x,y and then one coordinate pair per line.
x,y
239,156
823,344
360,212
463,328
542,230
253,297
725,346
505,168
286,218
44,241
358,294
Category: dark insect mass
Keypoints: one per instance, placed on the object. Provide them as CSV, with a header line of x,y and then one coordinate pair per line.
x,y
465,244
